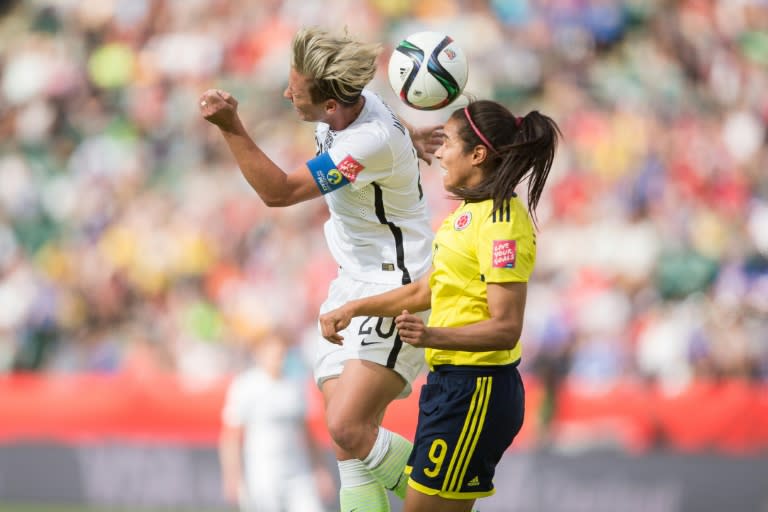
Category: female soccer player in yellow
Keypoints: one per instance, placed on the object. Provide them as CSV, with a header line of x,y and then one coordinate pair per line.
x,y
473,403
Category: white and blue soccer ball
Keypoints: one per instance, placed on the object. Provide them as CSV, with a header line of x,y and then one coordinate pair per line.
x,y
428,70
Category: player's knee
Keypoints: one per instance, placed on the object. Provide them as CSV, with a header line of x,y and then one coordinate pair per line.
x,y
348,435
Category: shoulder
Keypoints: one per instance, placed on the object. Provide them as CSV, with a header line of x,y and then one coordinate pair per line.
x,y
511,212
481,212
367,137
509,221
381,114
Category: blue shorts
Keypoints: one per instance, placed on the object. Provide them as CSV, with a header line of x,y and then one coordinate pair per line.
x,y
468,417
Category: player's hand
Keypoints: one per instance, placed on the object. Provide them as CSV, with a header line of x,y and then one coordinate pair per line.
x,y
426,141
334,321
219,107
412,330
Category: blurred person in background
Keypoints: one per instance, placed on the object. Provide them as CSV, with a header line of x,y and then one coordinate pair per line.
x,y
379,233
269,459
472,405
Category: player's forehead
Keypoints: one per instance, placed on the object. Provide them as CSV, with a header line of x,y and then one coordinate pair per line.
x,y
297,81
451,129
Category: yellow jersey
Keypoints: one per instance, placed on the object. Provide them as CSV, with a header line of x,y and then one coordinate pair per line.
x,y
472,248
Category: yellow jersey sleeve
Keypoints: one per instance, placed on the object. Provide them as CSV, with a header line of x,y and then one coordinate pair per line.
x,y
507,245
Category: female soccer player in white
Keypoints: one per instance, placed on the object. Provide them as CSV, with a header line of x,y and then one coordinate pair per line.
x,y
379,233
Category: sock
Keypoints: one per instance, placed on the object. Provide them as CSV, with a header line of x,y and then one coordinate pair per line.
x,y
387,459
359,491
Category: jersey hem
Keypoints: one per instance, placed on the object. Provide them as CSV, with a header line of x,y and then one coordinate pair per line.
x,y
449,495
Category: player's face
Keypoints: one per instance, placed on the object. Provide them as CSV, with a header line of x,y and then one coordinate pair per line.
x,y
271,353
458,166
298,92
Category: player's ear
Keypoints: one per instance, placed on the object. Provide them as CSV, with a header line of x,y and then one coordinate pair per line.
x,y
331,106
479,154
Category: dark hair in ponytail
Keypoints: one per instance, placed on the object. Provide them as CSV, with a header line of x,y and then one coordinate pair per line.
x,y
518,148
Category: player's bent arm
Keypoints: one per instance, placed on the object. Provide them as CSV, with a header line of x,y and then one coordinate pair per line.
x,y
415,296
506,304
274,187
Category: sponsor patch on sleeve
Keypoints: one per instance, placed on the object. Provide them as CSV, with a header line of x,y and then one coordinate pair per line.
x,y
350,168
504,253
327,176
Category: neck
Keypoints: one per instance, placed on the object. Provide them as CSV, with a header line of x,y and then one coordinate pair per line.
x,y
346,115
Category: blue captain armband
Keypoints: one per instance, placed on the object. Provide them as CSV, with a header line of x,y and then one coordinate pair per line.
x,y
325,173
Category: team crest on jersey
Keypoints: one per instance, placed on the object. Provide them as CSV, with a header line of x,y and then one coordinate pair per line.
x,y
504,253
462,221
350,168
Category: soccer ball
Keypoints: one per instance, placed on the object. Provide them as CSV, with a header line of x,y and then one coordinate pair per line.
x,y
428,70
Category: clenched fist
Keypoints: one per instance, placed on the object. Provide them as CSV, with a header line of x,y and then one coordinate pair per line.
x,y
220,108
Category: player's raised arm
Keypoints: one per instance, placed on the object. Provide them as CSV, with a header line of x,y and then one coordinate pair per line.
x,y
271,183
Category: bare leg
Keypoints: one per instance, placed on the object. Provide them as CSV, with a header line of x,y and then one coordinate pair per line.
x,y
355,403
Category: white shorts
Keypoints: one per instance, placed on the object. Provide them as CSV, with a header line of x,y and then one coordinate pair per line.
x,y
367,338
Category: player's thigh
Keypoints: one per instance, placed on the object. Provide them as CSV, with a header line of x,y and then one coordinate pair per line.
x,y
362,392
416,501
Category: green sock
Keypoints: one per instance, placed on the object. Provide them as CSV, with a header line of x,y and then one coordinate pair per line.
x,y
359,491
387,461
370,497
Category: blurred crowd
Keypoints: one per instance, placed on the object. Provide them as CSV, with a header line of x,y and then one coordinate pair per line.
x,y
129,241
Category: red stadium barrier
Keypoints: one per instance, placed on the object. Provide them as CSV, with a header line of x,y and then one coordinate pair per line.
x,y
83,407
618,415
729,416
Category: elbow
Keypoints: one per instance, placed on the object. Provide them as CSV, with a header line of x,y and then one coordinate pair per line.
x,y
277,201
274,202
511,337
422,294
424,299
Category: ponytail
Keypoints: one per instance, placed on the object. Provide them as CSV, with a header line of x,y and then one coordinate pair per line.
x,y
519,148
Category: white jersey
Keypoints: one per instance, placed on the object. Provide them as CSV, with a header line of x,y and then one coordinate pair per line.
x,y
379,226
271,412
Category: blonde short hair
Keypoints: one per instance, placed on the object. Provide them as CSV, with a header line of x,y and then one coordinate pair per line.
x,y
338,66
